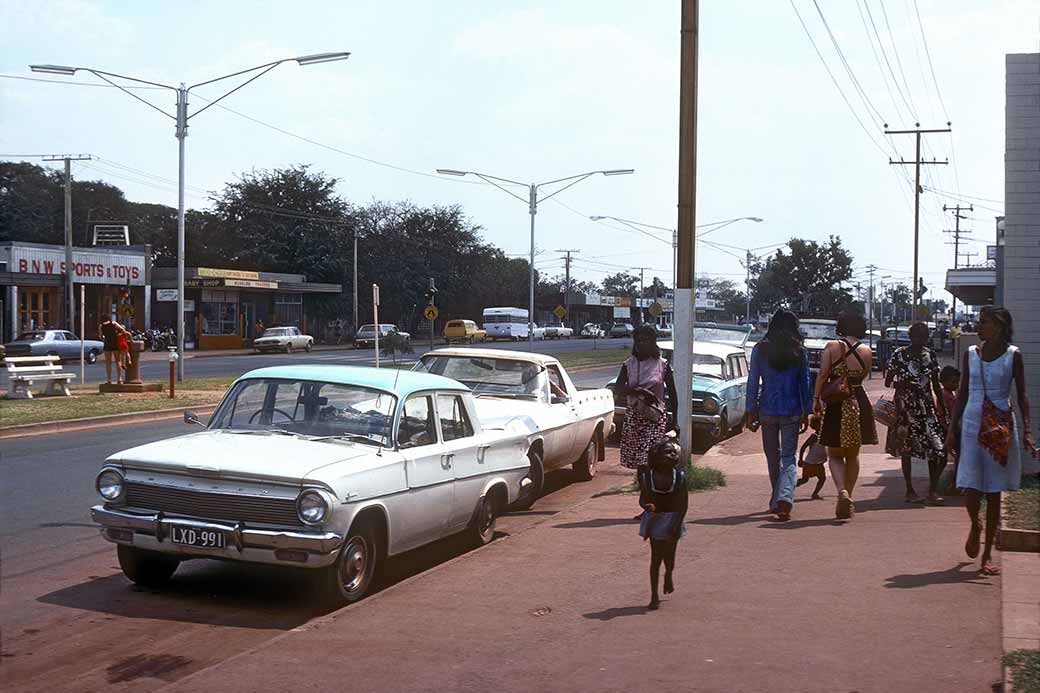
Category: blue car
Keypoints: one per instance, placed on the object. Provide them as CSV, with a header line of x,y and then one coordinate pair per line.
x,y
719,389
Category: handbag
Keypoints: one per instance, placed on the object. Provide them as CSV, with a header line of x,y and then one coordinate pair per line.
x,y
837,389
995,424
885,411
638,404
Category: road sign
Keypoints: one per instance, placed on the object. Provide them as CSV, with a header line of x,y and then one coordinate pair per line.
x,y
560,312
655,309
430,312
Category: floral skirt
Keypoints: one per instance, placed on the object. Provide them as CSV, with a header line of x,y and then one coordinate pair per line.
x,y
637,437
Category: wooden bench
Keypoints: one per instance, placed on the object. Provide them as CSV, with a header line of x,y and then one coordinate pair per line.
x,y
25,372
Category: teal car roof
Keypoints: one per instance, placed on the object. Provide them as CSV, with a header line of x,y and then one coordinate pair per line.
x,y
399,382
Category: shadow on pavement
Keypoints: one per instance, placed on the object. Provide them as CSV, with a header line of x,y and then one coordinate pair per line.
x,y
598,522
731,520
616,612
954,575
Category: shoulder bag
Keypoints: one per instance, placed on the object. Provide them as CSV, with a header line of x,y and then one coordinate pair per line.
x,y
995,424
638,404
837,388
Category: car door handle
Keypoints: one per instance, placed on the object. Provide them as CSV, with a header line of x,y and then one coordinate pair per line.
x,y
446,461
482,453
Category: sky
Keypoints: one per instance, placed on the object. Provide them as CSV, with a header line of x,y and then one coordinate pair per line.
x,y
535,91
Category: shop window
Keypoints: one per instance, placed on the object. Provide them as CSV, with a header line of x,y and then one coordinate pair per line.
x,y
34,309
219,313
288,309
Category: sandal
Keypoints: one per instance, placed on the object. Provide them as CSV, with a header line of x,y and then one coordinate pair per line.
x,y
990,569
971,547
934,499
912,497
843,509
783,511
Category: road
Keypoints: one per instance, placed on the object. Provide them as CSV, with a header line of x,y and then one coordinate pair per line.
x,y
211,364
71,621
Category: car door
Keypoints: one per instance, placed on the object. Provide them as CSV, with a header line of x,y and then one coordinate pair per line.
x,y
460,446
431,480
739,372
55,344
563,419
70,346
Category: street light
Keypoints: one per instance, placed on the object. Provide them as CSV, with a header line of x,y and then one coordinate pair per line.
x,y
532,206
746,262
181,119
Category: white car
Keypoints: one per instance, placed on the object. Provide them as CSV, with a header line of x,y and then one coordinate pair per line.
x,y
285,339
366,336
566,427
328,468
558,331
592,330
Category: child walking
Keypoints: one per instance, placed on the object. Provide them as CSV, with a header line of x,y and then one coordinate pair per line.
x,y
664,499
813,464
950,379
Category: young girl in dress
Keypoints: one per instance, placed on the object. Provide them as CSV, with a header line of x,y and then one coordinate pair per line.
x,y
812,464
988,373
664,499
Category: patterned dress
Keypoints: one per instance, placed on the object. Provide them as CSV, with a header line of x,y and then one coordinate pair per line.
x,y
640,434
925,435
849,423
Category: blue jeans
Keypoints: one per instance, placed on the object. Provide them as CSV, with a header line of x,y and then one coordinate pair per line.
x,y
780,442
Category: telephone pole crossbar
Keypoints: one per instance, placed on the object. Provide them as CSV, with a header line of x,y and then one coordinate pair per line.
x,y
917,162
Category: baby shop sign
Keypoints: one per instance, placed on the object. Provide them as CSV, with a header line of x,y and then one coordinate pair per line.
x,y
88,267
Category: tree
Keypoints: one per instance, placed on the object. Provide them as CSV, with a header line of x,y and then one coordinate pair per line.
x,y
807,278
732,301
899,298
620,284
657,288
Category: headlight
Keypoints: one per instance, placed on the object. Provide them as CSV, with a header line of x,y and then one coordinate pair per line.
x,y
710,405
312,507
109,485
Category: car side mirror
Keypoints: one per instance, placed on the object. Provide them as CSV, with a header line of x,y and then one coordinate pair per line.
x,y
560,399
191,418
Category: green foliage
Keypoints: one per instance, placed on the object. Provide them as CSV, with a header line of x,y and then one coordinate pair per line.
x,y
700,477
1025,670
807,278
621,284
1022,507
725,292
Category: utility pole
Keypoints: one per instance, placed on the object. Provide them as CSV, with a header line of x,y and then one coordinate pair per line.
x,y
357,325
747,288
639,300
917,132
870,311
686,221
956,242
567,280
70,298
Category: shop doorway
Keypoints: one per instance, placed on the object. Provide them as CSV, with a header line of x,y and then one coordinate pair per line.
x,y
249,318
34,309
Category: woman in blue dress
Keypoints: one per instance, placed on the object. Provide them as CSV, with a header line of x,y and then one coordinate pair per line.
x,y
988,372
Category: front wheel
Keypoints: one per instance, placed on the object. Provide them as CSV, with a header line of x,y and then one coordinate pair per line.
x,y
308,347
146,568
534,489
585,467
348,579
92,356
288,348
484,519
722,432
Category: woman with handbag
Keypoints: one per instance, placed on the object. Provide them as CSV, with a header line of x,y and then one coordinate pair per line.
x,y
778,400
848,420
915,371
983,428
644,379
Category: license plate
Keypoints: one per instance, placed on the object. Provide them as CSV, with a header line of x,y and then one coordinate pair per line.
x,y
192,536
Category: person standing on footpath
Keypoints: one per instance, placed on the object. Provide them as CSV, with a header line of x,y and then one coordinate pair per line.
x,y
109,332
915,371
984,430
848,423
779,399
644,380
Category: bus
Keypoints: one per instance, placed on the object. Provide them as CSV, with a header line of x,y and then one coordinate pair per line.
x,y
505,323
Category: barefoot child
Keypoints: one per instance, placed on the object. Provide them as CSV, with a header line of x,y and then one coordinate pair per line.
x,y
664,499
950,379
813,464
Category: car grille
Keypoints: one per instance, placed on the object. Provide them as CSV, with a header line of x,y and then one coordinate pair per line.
x,y
814,357
214,506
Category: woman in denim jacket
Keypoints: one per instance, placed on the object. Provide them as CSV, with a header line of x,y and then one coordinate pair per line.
x,y
780,400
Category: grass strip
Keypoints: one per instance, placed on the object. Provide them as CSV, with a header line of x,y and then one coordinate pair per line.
x,y
15,412
1022,507
1025,670
584,358
699,477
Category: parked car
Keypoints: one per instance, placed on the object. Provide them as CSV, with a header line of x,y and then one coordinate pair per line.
x,y
621,329
566,426
60,343
593,331
366,336
285,339
327,468
719,389
558,331
463,331
816,333
663,330
537,332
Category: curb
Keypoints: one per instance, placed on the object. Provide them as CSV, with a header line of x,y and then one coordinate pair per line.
x,y
1012,539
47,427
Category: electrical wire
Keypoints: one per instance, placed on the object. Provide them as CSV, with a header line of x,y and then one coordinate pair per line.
x,y
877,60
884,54
899,63
848,68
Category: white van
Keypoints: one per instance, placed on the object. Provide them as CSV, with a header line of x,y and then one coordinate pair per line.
x,y
505,323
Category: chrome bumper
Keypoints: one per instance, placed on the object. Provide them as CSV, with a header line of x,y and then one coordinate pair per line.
x,y
695,419
151,531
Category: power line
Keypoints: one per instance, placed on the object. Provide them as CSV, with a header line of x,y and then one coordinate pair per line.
x,y
848,68
931,67
884,54
895,51
877,60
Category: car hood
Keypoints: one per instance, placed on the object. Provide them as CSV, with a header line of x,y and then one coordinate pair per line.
x,y
700,384
268,457
815,344
269,339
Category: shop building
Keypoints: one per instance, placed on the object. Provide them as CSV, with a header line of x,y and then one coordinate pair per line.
x,y
222,307
115,280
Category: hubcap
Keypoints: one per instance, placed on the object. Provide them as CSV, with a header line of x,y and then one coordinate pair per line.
x,y
353,564
487,515
590,455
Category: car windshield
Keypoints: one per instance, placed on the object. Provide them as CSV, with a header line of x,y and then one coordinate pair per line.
x,y
703,364
491,376
814,330
277,332
34,336
307,408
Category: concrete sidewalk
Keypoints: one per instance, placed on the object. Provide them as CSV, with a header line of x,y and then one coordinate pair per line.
x,y
886,602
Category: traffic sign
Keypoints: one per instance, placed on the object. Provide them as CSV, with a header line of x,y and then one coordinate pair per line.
x,y
656,309
431,312
560,312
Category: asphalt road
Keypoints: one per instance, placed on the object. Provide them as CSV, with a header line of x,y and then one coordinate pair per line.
x,y
211,364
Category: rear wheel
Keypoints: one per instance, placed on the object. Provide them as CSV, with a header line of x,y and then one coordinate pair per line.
x,y
308,347
92,356
484,519
146,568
349,578
585,467
534,489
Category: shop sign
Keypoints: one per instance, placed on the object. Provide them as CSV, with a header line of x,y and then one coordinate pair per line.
x,y
227,273
166,294
250,284
87,267
203,283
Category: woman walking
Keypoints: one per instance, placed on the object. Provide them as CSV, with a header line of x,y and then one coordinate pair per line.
x,y
984,429
778,399
644,379
848,420
915,371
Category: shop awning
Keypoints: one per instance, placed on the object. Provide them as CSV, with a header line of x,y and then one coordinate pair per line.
x,y
974,286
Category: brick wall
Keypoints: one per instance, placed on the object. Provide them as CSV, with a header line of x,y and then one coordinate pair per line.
x,y
1022,212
